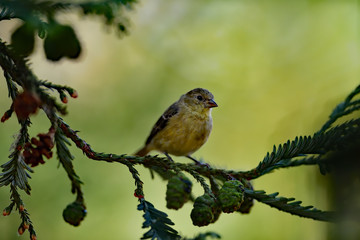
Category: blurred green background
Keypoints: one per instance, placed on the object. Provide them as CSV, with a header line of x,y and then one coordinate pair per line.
x,y
276,68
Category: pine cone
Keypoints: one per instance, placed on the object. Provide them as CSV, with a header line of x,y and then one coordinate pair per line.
x,y
230,196
74,213
205,211
37,148
178,191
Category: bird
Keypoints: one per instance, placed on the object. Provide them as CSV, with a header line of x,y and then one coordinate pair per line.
x,y
184,127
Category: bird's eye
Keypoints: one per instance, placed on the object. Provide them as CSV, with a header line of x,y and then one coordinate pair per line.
x,y
200,98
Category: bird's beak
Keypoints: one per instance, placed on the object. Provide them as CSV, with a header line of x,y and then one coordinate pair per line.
x,y
211,103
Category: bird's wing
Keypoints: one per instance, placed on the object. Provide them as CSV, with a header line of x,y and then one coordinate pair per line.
x,y
163,120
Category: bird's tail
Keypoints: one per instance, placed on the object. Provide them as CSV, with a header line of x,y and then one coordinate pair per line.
x,y
142,152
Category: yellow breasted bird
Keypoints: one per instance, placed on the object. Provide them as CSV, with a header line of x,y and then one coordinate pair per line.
x,y
184,127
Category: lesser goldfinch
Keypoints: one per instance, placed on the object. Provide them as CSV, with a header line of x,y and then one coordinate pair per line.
x,y
184,127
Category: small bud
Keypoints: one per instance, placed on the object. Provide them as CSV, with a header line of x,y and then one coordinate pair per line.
x,y
21,208
8,209
74,94
64,99
6,116
6,212
21,230
26,226
33,237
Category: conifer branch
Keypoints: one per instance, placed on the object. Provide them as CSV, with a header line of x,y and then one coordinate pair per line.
x,y
16,174
157,221
290,206
26,223
139,193
285,163
60,89
15,171
13,91
344,108
318,145
65,158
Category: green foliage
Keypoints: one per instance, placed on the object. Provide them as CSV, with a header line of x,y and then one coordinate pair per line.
x,y
60,40
342,109
65,158
108,10
157,221
16,172
290,206
205,211
230,196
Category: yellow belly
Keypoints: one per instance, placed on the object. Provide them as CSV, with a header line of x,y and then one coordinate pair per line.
x,y
183,135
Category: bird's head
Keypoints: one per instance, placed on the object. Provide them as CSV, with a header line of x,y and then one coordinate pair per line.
x,y
199,99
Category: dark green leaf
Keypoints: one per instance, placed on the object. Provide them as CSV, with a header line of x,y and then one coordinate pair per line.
x,y
61,41
23,39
